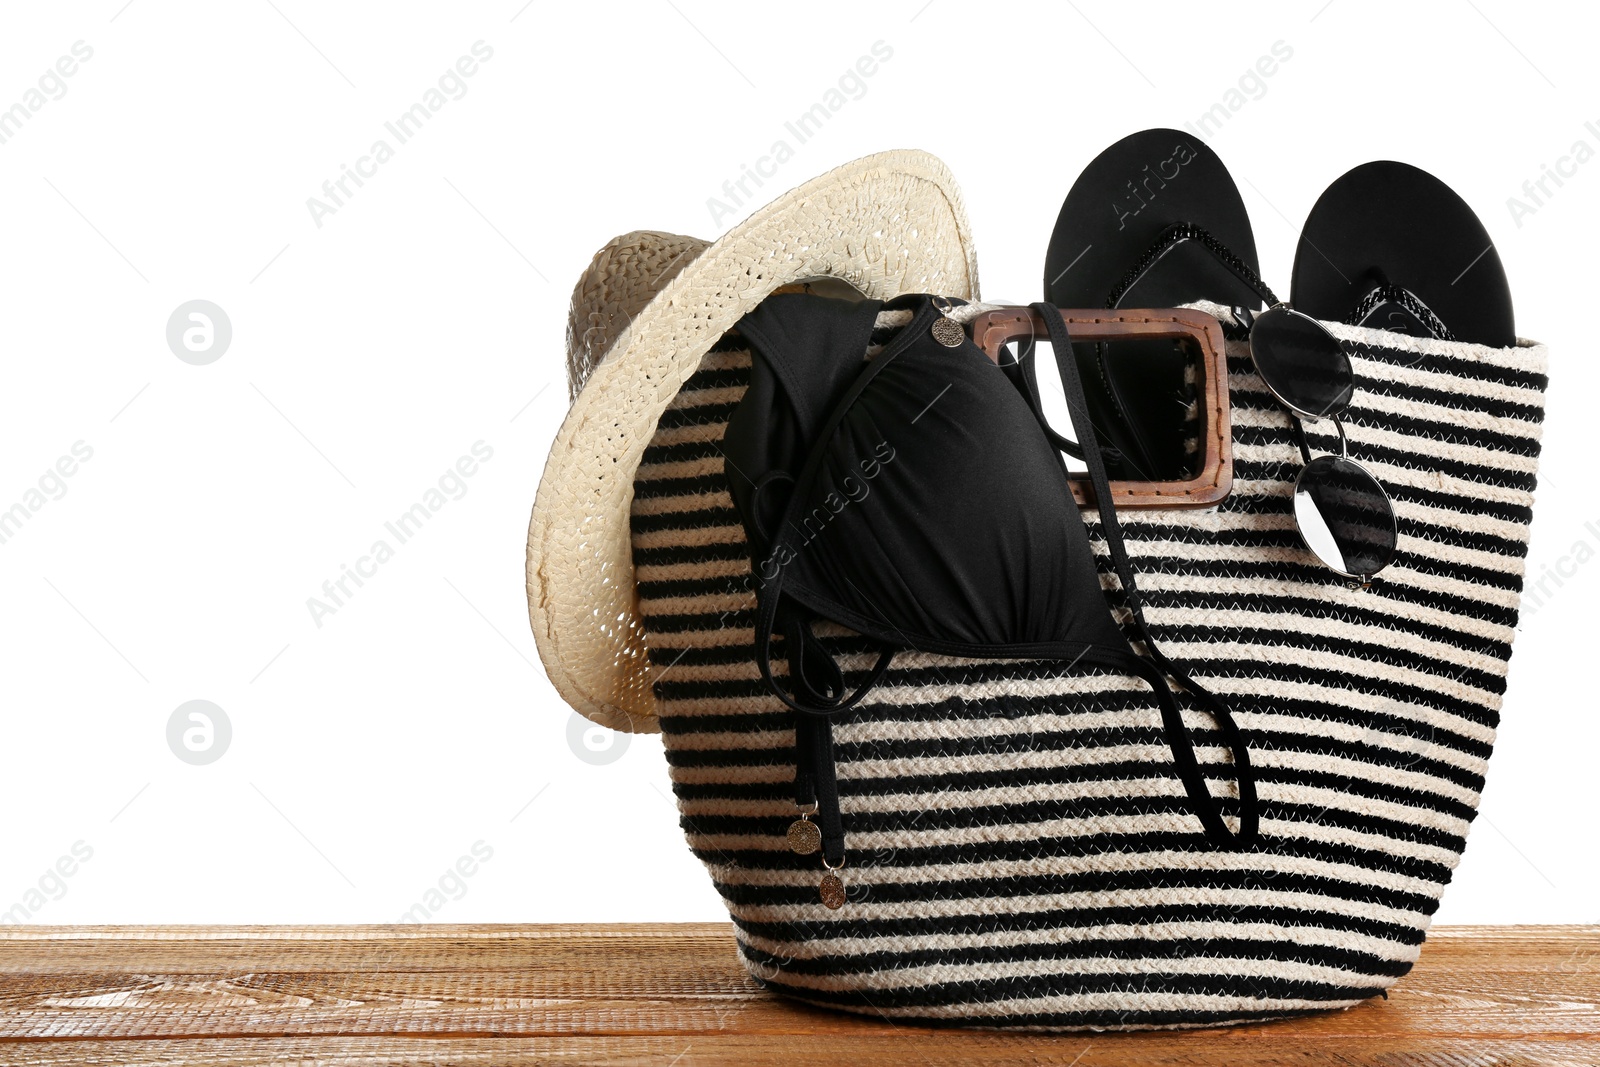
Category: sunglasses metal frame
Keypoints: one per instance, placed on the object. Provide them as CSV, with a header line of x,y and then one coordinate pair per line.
x,y
1299,414
1364,580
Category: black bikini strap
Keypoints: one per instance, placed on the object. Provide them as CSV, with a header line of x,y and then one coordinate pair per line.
x,y
816,782
817,683
772,570
1188,768
1023,375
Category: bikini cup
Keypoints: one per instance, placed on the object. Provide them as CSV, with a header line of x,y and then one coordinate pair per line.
x,y
918,499
934,515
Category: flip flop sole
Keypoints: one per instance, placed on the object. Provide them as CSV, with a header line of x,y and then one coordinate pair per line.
x,y
1119,207
1392,222
1115,212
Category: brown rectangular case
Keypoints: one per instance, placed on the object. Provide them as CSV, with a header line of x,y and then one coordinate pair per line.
x,y
1213,478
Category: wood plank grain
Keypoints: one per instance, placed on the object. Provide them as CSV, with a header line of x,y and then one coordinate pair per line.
x,y
91,1005
965,1050
648,994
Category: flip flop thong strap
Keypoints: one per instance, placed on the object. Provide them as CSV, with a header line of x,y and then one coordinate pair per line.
x,y
1405,298
1177,234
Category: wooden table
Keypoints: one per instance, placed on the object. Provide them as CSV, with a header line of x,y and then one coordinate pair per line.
x,y
675,995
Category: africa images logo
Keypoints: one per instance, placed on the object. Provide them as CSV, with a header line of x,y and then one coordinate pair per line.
x,y
451,85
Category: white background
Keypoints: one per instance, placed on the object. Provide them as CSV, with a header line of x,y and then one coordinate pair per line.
x,y
427,314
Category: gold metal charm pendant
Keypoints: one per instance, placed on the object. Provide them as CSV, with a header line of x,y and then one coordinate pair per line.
x,y
831,889
804,837
947,331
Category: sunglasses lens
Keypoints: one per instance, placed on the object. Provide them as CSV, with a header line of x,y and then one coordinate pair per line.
x,y
1301,362
1345,516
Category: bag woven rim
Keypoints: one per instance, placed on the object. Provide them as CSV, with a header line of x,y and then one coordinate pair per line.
x,y
887,224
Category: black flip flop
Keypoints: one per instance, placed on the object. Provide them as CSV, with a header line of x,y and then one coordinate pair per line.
x,y
1390,246
1112,223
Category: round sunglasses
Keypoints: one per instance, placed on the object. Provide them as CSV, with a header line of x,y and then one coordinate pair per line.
x,y
1343,514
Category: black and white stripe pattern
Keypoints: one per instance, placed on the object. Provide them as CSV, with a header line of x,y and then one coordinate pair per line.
x,y
1021,852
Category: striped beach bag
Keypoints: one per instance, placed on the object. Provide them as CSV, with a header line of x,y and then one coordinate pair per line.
x,y
1022,853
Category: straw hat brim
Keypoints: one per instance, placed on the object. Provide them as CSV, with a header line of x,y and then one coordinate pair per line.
x,y
887,224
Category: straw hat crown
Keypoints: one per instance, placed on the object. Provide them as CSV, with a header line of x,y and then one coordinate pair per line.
x,y
643,315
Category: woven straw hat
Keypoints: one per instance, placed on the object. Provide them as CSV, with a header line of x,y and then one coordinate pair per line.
x,y
643,315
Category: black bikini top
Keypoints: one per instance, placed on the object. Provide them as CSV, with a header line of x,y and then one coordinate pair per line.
x,y
920,499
